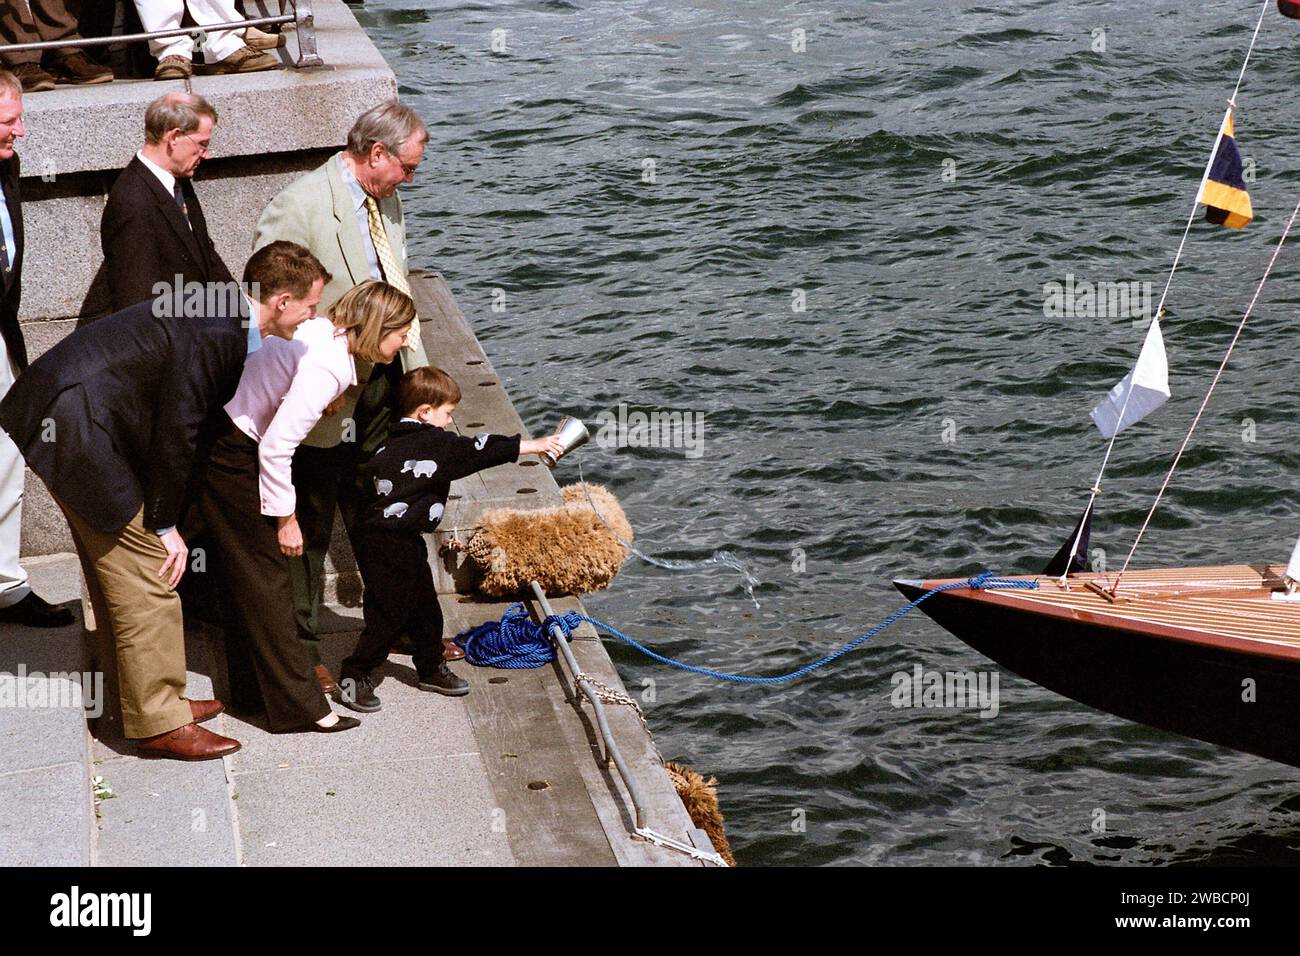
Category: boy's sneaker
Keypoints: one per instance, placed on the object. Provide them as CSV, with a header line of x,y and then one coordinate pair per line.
x,y
443,681
357,693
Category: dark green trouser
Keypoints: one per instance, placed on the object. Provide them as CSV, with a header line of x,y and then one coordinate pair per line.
x,y
329,478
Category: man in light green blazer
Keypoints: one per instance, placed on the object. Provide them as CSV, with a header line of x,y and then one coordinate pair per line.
x,y
348,213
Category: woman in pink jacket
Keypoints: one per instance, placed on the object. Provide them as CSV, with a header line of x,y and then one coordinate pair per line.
x,y
248,501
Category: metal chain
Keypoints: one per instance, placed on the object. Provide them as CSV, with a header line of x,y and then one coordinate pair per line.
x,y
609,695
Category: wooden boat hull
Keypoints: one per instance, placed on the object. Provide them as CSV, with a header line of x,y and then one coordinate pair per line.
x,y
1201,652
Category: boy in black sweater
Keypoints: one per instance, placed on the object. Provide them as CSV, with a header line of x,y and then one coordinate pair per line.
x,y
408,481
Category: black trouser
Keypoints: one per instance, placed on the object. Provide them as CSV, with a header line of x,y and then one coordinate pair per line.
x,y
400,597
266,663
328,478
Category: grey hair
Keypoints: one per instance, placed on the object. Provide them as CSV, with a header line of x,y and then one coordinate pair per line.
x,y
390,123
10,83
176,110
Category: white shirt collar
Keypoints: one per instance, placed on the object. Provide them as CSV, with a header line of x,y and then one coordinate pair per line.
x,y
354,185
164,177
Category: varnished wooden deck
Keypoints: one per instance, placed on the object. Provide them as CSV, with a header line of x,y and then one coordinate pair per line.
x,y
1227,606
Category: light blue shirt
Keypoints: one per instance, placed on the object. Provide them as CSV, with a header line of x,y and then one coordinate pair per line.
x,y
7,225
254,333
363,217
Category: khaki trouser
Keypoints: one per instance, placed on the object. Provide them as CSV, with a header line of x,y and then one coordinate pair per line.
x,y
139,617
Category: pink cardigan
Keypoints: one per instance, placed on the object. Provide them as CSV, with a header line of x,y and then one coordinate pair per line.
x,y
282,394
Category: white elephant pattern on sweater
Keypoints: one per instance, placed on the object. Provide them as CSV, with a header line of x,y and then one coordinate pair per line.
x,y
424,468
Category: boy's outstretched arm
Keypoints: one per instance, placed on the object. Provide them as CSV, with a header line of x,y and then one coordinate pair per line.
x,y
461,455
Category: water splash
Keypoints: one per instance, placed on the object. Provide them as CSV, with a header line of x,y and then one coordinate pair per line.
x,y
724,558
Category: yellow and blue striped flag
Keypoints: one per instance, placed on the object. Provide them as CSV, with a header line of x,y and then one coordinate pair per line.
x,y
1224,191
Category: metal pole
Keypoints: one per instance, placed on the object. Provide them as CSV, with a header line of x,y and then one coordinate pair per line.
x,y
611,749
306,34
134,37
302,16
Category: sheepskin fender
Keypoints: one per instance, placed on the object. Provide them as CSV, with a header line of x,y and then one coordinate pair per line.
x,y
700,797
565,549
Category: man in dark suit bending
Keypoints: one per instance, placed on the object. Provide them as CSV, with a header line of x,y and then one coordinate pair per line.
x,y
153,229
114,419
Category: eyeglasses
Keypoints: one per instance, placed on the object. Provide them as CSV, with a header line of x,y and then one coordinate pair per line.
x,y
203,148
407,168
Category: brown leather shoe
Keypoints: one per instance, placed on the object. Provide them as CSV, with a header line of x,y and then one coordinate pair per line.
x,y
327,683
243,60
451,651
205,709
79,69
173,68
32,77
190,742
256,39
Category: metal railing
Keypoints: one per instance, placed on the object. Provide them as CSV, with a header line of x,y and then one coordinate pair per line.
x,y
592,690
580,680
301,17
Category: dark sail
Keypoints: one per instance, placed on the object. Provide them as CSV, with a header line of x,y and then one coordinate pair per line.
x,y
1057,566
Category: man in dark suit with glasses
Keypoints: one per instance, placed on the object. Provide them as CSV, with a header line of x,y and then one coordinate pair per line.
x,y
153,229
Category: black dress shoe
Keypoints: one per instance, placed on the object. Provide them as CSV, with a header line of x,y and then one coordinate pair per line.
x,y
32,611
344,723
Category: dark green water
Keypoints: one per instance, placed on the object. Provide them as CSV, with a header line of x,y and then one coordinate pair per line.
x,y
824,434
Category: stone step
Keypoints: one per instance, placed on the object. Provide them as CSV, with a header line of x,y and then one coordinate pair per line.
x,y
167,812
406,788
153,813
47,809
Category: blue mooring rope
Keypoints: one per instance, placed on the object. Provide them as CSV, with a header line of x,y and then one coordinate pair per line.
x,y
516,642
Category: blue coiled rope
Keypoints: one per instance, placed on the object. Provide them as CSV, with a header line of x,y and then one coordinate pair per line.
x,y
516,642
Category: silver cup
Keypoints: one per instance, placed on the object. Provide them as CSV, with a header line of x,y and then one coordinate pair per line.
x,y
573,434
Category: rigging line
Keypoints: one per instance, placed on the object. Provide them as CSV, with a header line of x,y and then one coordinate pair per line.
x,y
1160,306
1255,36
1110,447
1206,401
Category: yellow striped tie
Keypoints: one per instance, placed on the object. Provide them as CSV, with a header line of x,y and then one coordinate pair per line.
x,y
393,273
